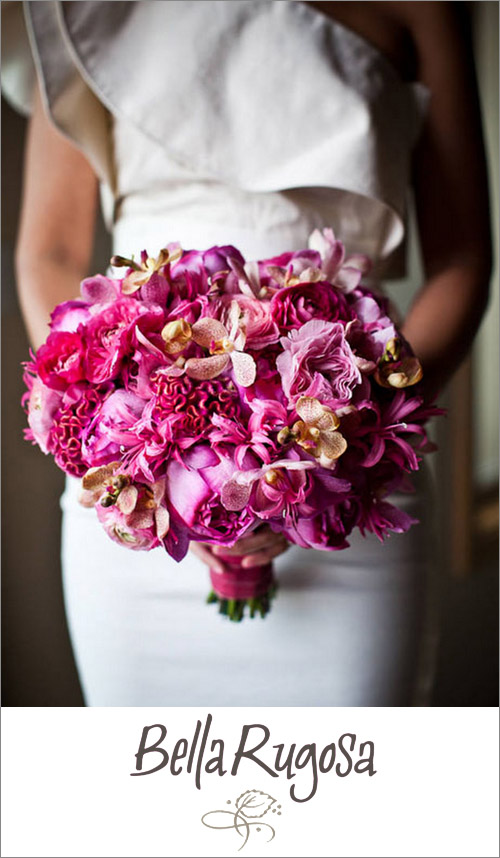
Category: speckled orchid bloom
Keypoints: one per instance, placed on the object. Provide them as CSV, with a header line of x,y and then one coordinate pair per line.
x,y
395,370
141,274
316,432
236,491
131,513
224,345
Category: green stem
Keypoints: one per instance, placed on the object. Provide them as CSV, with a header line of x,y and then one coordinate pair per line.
x,y
237,609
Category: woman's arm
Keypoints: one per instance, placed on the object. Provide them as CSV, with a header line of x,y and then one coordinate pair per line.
x,y
56,226
451,195
52,256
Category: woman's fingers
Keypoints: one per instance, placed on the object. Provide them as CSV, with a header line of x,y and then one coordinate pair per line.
x,y
206,556
258,541
262,558
258,549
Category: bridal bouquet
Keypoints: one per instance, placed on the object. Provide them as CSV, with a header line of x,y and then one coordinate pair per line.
x,y
200,396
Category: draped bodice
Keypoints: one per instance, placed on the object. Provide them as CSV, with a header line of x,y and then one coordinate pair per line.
x,y
212,121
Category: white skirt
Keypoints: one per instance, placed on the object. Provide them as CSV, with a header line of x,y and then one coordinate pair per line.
x,y
347,628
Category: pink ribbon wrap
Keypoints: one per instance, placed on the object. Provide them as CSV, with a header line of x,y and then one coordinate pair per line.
x,y
237,582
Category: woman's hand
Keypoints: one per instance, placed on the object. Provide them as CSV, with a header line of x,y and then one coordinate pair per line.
x,y
258,549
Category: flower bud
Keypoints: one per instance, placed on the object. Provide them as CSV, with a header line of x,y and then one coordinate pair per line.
x,y
271,477
176,335
120,482
285,435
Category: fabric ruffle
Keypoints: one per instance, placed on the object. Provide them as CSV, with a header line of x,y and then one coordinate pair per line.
x,y
263,96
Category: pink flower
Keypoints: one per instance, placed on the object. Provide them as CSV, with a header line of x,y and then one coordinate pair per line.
x,y
326,531
267,384
69,316
133,516
112,431
100,290
255,435
79,404
292,306
260,329
59,362
274,490
344,272
181,410
199,272
390,431
225,347
287,268
380,517
190,310
108,337
42,406
317,361
194,495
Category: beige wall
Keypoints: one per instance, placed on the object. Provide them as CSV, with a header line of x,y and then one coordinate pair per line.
x,y
486,347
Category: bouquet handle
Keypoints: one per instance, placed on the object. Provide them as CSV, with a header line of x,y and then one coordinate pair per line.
x,y
239,588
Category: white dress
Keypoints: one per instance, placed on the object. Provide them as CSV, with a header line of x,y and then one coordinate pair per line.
x,y
246,123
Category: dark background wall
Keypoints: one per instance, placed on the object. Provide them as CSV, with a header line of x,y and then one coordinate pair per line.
x,y
37,662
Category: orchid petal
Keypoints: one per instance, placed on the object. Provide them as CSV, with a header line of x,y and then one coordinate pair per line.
x,y
147,344
235,496
347,279
309,409
162,520
360,261
98,478
133,282
98,289
127,499
205,331
205,368
333,444
244,368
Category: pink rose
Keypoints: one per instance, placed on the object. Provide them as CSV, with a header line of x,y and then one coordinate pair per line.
x,y
292,306
108,337
59,362
260,329
318,361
